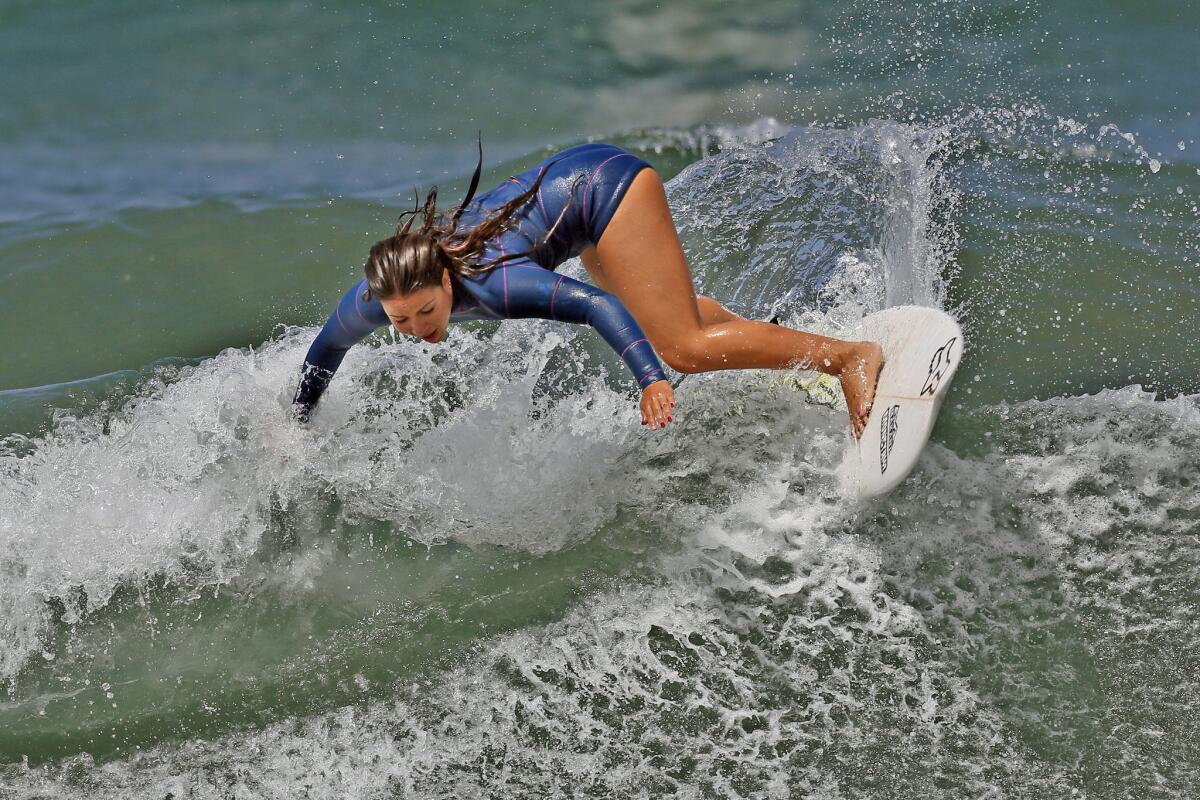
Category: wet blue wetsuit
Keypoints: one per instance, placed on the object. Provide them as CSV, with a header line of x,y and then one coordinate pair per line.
x,y
596,176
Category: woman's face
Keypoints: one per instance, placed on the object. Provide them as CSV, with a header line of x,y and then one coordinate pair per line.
x,y
423,313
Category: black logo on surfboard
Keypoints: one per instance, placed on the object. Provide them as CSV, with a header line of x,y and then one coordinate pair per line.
x,y
889,424
938,365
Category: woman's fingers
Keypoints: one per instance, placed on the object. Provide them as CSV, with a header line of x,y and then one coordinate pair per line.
x,y
655,414
658,404
662,402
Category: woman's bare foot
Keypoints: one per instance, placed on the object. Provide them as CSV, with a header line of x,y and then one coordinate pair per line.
x,y
858,375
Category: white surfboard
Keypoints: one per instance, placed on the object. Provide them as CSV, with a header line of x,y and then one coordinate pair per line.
x,y
921,349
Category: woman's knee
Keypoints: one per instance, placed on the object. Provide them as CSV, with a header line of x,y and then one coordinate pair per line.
x,y
686,354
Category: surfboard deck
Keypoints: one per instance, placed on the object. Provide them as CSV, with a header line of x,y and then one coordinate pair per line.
x,y
921,350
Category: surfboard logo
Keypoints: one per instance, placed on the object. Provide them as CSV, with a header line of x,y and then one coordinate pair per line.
x,y
889,424
938,365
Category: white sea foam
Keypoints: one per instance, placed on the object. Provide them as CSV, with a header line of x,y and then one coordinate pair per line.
x,y
788,652
644,692
182,483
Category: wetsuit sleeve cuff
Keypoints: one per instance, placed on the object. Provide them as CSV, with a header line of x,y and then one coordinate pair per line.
x,y
652,376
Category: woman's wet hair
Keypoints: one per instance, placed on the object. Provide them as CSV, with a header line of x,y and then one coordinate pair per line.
x,y
414,259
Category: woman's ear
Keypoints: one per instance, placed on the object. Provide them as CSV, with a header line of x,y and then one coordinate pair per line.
x,y
446,279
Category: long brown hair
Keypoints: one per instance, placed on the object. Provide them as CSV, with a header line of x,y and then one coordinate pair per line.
x,y
409,260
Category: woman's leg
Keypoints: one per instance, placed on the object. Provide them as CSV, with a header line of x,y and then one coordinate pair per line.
x,y
711,312
640,260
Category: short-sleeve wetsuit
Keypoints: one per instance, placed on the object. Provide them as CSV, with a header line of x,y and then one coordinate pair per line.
x,y
594,178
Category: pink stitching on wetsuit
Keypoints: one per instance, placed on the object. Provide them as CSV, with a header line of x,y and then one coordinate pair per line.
x,y
553,295
338,313
504,275
588,188
631,344
504,270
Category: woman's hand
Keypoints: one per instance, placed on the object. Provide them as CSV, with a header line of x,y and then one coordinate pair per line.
x,y
658,404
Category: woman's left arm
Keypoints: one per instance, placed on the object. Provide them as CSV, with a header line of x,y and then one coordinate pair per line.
x,y
531,291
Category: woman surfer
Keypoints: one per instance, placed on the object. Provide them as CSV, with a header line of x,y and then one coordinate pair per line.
x,y
494,258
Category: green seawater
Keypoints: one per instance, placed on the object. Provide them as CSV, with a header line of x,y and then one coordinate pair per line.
x,y
474,574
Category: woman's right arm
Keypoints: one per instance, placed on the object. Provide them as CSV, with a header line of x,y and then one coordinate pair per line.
x,y
352,320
